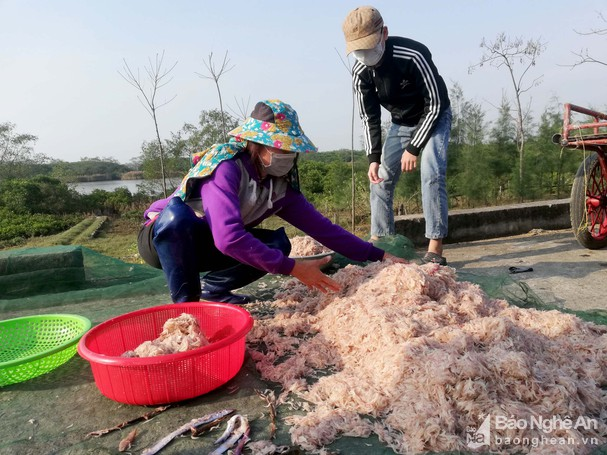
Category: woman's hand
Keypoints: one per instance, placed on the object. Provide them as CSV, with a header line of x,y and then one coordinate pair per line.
x,y
309,273
392,258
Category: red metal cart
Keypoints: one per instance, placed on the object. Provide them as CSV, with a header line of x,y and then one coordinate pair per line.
x,y
588,205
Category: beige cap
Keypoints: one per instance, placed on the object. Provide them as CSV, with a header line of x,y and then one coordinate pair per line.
x,y
362,28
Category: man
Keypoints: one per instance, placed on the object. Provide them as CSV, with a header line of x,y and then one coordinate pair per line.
x,y
398,74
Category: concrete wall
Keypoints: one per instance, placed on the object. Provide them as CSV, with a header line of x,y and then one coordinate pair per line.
x,y
491,222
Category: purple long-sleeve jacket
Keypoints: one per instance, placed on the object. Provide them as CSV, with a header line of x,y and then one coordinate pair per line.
x,y
234,199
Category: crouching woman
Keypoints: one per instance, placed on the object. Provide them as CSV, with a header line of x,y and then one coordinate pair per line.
x,y
208,225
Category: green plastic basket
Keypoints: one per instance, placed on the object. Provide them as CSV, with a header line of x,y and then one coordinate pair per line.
x,y
34,345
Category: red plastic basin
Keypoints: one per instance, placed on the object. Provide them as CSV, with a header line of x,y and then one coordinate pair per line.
x,y
166,378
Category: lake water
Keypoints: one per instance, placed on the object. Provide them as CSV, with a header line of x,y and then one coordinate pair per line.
x,y
106,185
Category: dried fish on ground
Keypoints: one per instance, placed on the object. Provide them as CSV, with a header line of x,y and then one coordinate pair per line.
x,y
126,443
237,428
194,423
242,442
197,432
120,426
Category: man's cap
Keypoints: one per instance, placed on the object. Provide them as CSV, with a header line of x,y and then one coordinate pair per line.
x,y
362,29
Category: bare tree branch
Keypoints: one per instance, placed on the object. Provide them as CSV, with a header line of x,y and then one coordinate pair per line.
x,y
595,31
242,111
513,53
584,55
214,74
157,77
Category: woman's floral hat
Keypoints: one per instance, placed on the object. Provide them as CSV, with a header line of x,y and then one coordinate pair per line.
x,y
275,124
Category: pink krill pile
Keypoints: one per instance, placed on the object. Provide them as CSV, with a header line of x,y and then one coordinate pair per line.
x,y
304,245
178,334
428,357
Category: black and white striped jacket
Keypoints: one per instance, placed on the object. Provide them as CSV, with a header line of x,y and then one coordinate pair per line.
x,y
406,83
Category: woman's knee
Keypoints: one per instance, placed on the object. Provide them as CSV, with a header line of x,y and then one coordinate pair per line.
x,y
176,216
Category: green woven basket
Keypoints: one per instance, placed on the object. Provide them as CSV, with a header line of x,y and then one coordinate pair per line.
x,y
34,345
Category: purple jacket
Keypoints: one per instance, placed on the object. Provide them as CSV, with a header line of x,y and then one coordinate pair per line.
x,y
223,197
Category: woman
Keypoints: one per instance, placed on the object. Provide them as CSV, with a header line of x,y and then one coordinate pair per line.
x,y
208,223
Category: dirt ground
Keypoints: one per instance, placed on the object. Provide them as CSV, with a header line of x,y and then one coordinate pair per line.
x,y
53,414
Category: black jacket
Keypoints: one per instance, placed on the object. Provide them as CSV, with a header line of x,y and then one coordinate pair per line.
x,y
406,83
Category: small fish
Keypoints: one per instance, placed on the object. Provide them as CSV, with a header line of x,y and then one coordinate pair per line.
x,y
238,432
125,444
229,429
212,425
243,441
194,423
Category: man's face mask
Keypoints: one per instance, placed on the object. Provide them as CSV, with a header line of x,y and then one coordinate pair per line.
x,y
371,57
280,163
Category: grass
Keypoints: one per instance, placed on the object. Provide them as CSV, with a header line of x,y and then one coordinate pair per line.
x,y
115,237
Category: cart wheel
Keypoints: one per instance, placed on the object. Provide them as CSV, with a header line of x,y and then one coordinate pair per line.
x,y
588,205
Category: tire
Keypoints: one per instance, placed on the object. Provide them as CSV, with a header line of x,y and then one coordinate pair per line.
x,y
588,205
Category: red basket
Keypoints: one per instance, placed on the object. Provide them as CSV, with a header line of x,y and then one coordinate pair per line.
x,y
166,378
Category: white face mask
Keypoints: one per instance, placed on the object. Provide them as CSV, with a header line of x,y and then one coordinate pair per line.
x,y
280,163
371,57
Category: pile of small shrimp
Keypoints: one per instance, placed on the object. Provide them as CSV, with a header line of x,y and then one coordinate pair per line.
x,y
412,355
304,245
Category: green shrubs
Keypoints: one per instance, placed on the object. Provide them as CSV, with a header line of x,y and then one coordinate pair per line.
x,y
21,226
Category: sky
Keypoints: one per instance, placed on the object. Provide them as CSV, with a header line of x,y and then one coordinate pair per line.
x,y
60,62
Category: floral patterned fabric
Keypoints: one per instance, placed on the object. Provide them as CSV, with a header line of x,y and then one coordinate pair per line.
x,y
285,133
205,162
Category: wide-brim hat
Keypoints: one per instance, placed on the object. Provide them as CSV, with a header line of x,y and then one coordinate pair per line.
x,y
362,29
275,124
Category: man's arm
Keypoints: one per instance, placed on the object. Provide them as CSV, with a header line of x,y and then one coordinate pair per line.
x,y
369,109
426,78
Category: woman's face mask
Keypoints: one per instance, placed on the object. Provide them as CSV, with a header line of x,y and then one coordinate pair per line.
x,y
280,163
371,57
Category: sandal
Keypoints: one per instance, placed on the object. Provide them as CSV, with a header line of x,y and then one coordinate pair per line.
x,y
434,258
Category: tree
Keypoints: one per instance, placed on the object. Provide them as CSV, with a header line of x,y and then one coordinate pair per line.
x,y
456,96
209,130
502,138
16,152
174,167
510,53
553,166
157,78
37,195
584,56
352,171
215,74
180,147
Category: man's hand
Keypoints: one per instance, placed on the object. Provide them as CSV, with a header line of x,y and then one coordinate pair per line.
x,y
374,173
309,273
408,162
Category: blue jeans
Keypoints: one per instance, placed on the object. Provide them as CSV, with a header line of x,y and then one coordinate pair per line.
x,y
433,169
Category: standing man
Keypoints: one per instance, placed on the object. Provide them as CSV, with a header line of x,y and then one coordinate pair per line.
x,y
398,74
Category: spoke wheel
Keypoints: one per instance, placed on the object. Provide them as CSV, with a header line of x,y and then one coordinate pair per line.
x,y
588,206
